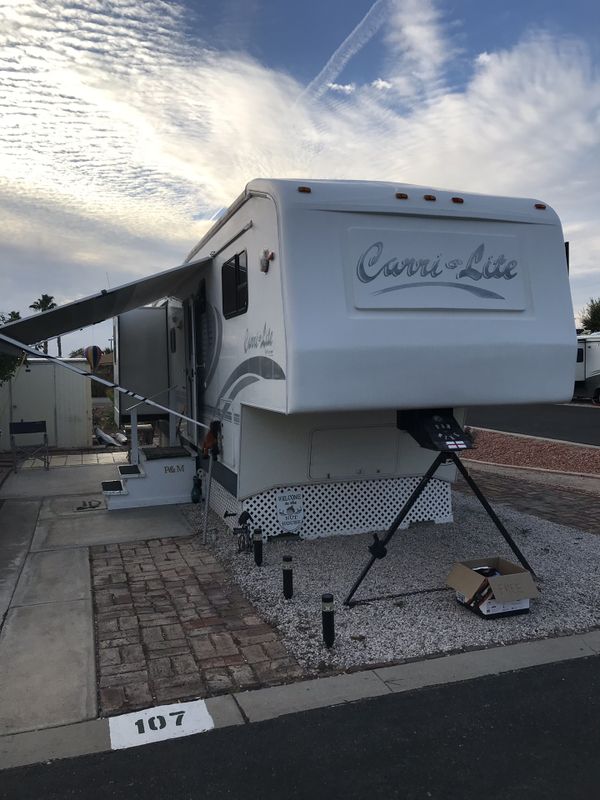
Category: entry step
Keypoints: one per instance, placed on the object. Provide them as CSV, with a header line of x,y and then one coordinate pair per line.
x,y
154,453
113,487
130,471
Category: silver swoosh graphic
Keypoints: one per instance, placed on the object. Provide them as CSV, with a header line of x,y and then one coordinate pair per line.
x,y
476,290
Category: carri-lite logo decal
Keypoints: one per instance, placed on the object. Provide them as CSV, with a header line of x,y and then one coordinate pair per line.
x,y
435,272
260,340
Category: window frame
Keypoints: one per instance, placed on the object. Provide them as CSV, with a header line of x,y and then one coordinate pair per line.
x,y
240,286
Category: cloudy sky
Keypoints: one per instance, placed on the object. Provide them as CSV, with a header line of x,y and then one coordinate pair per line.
x,y
127,125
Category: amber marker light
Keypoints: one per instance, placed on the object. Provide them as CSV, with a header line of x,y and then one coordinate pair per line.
x,y
305,189
541,206
457,200
430,197
401,196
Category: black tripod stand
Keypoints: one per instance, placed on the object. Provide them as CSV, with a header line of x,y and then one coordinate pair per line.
x,y
436,430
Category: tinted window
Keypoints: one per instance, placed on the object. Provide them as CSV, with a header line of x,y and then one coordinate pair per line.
x,y
579,355
234,279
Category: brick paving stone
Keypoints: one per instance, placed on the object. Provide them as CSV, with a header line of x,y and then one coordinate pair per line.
x,y
184,664
254,653
203,648
244,676
271,672
224,644
133,637
109,656
123,678
176,647
255,636
118,669
179,688
108,626
208,663
234,660
112,699
127,623
160,668
218,680
152,634
132,652
172,631
274,649
149,619
138,695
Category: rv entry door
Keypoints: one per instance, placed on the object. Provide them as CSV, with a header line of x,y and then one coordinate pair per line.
x,y
200,351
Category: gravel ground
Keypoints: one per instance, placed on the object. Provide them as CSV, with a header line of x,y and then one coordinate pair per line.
x,y
529,451
420,625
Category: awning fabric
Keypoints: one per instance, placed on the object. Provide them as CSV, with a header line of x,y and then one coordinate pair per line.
x,y
179,282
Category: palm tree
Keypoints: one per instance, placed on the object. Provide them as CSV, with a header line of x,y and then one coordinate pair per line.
x,y
8,364
46,303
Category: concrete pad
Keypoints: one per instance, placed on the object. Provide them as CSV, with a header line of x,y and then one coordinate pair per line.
x,y
466,666
54,576
57,481
72,505
110,527
47,666
105,458
65,741
278,700
224,711
17,524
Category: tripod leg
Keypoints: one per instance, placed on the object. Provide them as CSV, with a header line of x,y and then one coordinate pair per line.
x,y
477,492
396,523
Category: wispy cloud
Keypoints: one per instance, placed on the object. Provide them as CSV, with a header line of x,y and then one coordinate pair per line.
x,y
419,46
121,137
352,44
381,85
342,88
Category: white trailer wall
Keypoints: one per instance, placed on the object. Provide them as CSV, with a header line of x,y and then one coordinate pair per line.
x,y
46,391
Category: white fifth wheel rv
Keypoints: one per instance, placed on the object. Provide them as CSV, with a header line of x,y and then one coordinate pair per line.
x,y
321,309
587,374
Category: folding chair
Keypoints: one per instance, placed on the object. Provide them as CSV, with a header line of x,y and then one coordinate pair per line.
x,y
25,452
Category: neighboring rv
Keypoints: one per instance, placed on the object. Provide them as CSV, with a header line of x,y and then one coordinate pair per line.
x,y
587,374
323,307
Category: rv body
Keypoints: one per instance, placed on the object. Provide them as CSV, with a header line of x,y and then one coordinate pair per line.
x,y
587,371
322,310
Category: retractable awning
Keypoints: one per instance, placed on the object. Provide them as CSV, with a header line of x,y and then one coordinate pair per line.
x,y
178,282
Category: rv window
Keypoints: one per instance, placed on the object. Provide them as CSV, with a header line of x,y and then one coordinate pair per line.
x,y
234,278
579,355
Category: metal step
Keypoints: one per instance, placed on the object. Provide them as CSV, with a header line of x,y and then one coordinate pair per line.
x,y
154,453
113,487
130,471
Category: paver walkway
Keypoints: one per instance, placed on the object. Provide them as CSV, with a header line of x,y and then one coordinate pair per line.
x,y
564,505
170,624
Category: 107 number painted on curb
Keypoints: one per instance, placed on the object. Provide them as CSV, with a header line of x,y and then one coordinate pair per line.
x,y
158,722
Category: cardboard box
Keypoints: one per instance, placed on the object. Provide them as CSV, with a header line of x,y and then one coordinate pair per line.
x,y
507,592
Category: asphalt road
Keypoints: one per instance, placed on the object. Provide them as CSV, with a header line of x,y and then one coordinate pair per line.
x,y
569,422
529,734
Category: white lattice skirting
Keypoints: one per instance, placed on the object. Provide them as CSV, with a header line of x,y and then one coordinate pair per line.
x,y
342,508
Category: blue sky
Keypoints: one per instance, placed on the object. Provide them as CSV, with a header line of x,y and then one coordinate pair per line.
x,y
126,125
